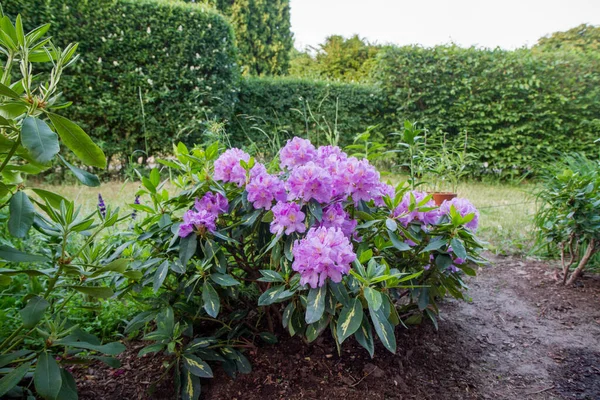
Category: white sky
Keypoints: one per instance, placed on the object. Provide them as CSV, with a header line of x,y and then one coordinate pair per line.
x,y
488,23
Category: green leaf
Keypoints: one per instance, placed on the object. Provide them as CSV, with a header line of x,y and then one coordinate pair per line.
x,y
315,209
273,295
47,377
458,248
13,378
187,248
384,329
39,140
153,348
11,254
190,385
224,280
111,349
8,92
110,361
68,389
397,243
349,320
373,298
12,110
314,330
197,367
340,292
118,265
22,214
391,224
268,338
78,141
94,291
160,275
270,276
211,300
34,311
52,198
315,304
83,176
435,244
364,336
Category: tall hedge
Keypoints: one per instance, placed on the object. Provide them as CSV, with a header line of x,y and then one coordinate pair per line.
x,y
518,107
152,71
291,106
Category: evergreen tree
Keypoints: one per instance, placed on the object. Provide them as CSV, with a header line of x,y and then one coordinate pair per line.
x,y
264,37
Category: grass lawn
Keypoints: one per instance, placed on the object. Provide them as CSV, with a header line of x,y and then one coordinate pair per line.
x,y
506,210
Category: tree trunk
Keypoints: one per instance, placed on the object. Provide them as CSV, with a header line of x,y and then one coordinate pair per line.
x,y
589,252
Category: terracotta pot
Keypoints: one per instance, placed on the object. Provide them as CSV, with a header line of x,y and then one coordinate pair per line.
x,y
439,197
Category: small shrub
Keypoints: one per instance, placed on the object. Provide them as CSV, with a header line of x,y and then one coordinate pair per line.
x,y
569,214
311,241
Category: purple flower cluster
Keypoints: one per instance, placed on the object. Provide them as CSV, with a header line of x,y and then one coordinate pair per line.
x,y
287,218
323,253
334,216
134,213
405,216
228,168
308,182
464,207
264,188
204,217
297,152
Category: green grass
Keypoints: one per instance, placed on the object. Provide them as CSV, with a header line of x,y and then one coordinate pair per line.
x,y
506,221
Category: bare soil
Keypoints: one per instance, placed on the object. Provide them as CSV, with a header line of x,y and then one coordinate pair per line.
x,y
522,336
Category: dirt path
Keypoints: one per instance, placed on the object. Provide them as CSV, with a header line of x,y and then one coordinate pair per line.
x,y
521,337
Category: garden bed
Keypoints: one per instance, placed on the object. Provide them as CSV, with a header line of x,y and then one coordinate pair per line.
x,y
522,336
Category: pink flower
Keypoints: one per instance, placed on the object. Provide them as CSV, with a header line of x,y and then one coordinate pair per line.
x,y
406,217
464,207
297,152
197,221
309,182
287,218
383,190
355,178
215,204
263,189
228,168
323,253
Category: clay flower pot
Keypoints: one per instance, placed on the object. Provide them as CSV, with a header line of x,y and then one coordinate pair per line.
x,y
439,197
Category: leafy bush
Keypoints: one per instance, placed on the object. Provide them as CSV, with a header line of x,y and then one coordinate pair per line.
x,y
153,71
324,111
569,214
518,108
311,243
48,268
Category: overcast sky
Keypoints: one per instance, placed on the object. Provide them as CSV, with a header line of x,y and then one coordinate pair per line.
x,y
488,23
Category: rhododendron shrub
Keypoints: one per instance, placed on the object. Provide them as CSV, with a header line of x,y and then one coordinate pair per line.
x,y
310,242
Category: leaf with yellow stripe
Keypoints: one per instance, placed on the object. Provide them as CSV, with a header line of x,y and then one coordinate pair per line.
x,y
190,385
212,303
364,336
384,329
349,320
315,304
197,367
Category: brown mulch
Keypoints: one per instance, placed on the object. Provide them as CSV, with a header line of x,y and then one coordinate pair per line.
x,y
521,337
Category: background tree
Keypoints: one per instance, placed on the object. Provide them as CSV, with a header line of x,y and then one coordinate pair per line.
x,y
264,37
337,58
583,38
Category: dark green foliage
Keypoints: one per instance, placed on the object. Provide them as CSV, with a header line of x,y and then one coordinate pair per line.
x,y
314,109
349,60
263,34
518,108
153,71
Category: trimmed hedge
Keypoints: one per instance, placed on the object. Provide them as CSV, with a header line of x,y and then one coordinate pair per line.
x,y
518,107
180,58
291,106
